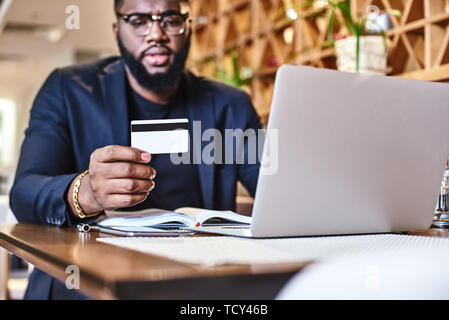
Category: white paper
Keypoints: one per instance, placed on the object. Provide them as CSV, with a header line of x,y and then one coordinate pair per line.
x,y
211,251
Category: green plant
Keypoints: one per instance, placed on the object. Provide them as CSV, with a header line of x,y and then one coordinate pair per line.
x,y
289,13
238,78
356,25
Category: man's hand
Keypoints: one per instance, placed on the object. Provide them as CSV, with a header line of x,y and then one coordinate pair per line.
x,y
118,178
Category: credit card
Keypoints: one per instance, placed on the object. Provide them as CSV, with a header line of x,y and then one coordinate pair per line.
x,y
160,136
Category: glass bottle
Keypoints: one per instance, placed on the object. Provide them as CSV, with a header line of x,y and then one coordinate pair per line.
x,y
441,217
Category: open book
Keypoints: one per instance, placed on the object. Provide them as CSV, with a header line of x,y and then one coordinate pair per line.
x,y
182,217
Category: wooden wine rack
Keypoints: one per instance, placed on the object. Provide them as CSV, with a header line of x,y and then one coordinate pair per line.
x,y
264,34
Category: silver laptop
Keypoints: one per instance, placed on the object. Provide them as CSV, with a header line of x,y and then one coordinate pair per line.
x,y
356,154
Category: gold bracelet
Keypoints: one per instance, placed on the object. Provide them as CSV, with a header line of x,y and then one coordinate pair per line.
x,y
76,190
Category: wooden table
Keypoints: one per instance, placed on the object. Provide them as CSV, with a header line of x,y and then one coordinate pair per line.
x,y
109,272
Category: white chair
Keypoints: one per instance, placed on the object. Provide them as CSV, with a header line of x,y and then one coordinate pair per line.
x,y
7,217
412,274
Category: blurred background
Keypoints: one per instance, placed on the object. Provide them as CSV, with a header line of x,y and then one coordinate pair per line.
x,y
240,42
34,40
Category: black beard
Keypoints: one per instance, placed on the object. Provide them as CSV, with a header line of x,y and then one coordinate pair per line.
x,y
160,81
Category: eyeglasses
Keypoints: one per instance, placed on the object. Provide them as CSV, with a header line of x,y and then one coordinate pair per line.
x,y
171,22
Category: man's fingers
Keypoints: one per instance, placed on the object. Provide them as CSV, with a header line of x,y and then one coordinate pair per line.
x,y
121,153
129,186
119,176
124,170
118,201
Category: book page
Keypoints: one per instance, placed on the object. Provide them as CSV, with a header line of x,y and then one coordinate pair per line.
x,y
153,217
139,213
145,218
211,251
202,215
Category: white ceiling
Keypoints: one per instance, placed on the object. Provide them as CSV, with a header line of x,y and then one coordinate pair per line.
x,y
38,56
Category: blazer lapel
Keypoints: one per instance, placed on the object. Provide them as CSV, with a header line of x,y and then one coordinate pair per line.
x,y
113,83
201,108
199,104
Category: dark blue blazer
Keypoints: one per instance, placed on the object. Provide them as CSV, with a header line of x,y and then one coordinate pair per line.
x,y
82,108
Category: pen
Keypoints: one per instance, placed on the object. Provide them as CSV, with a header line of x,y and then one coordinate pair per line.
x,y
85,228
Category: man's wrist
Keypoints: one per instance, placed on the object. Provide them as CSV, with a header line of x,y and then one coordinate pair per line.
x,y
87,199
85,204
